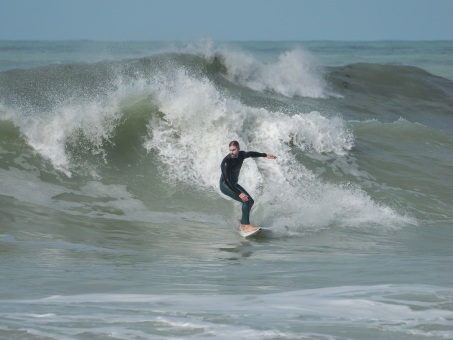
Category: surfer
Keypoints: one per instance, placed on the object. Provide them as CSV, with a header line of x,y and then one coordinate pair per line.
x,y
231,166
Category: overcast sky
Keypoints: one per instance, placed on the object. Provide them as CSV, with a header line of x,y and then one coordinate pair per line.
x,y
226,20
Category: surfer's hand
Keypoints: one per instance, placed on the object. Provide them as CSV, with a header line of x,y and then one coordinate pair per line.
x,y
243,197
271,156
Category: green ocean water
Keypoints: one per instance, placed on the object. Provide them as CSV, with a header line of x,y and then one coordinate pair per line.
x,y
112,225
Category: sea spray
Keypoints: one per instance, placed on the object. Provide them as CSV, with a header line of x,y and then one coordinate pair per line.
x,y
295,73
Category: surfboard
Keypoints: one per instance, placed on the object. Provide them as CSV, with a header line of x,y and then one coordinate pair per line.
x,y
250,233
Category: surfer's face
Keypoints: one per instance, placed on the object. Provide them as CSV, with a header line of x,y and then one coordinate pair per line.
x,y
234,151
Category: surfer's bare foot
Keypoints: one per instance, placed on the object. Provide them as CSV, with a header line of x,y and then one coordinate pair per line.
x,y
248,228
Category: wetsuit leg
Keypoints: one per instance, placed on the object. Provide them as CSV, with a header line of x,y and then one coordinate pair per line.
x,y
246,206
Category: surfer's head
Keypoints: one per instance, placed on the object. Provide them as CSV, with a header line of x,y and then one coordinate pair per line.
x,y
234,149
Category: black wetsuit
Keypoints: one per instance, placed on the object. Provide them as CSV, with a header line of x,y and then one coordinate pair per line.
x,y
231,167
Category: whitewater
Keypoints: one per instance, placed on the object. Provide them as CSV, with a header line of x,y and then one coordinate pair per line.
x,y
112,224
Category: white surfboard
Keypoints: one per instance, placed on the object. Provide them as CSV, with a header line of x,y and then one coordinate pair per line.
x,y
250,233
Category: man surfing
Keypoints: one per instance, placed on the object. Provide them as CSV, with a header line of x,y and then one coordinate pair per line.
x,y
231,167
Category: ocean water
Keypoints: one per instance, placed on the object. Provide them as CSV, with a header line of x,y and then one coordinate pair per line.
x,y
112,224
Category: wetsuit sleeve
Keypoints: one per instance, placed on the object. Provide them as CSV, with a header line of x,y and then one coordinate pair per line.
x,y
254,154
226,177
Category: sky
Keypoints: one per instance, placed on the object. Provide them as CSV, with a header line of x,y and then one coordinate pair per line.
x,y
226,20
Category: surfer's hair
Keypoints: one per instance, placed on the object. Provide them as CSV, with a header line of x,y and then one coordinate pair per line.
x,y
235,143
